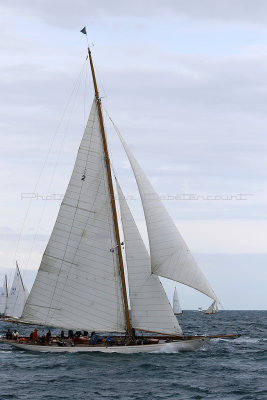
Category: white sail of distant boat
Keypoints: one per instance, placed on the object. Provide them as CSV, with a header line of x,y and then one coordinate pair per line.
x,y
176,304
3,297
200,309
213,308
17,296
81,281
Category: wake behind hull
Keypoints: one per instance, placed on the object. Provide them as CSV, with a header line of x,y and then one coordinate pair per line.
x,y
171,347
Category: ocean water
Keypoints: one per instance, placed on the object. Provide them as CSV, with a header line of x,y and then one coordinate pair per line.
x,y
223,369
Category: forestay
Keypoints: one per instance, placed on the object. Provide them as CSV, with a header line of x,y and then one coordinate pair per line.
x,y
170,256
4,297
78,285
17,296
150,308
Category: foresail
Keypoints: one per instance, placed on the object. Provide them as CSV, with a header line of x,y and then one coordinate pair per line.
x,y
150,308
170,256
176,304
17,296
78,284
3,298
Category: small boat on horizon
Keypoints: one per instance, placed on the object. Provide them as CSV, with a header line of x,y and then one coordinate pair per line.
x,y
213,308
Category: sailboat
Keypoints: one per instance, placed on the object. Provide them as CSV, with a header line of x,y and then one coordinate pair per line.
x,y
3,298
13,301
176,304
17,296
81,281
213,308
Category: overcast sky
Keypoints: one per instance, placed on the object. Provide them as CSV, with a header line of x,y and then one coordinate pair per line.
x,y
185,82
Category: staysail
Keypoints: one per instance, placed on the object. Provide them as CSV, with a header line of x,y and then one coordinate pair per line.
x,y
17,296
176,304
3,298
150,308
170,256
78,284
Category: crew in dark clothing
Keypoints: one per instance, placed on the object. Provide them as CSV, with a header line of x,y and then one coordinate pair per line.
x,y
93,338
62,335
133,333
9,335
42,339
48,336
70,334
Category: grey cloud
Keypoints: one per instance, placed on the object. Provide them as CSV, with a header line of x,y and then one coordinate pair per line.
x,y
212,109
71,14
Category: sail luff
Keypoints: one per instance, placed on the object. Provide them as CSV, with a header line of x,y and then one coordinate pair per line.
x,y
112,197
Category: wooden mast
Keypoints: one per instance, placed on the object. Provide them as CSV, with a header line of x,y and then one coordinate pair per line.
x,y
111,190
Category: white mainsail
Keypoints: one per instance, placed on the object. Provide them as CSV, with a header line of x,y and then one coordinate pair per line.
x,y
78,285
17,296
170,256
150,307
176,304
3,298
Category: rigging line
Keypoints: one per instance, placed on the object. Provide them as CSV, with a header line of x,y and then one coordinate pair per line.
x,y
100,80
54,170
149,275
45,162
113,174
85,94
115,258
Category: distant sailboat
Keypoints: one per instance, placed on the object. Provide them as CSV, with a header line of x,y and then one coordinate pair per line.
x,y
176,304
81,282
17,296
4,298
213,308
12,301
